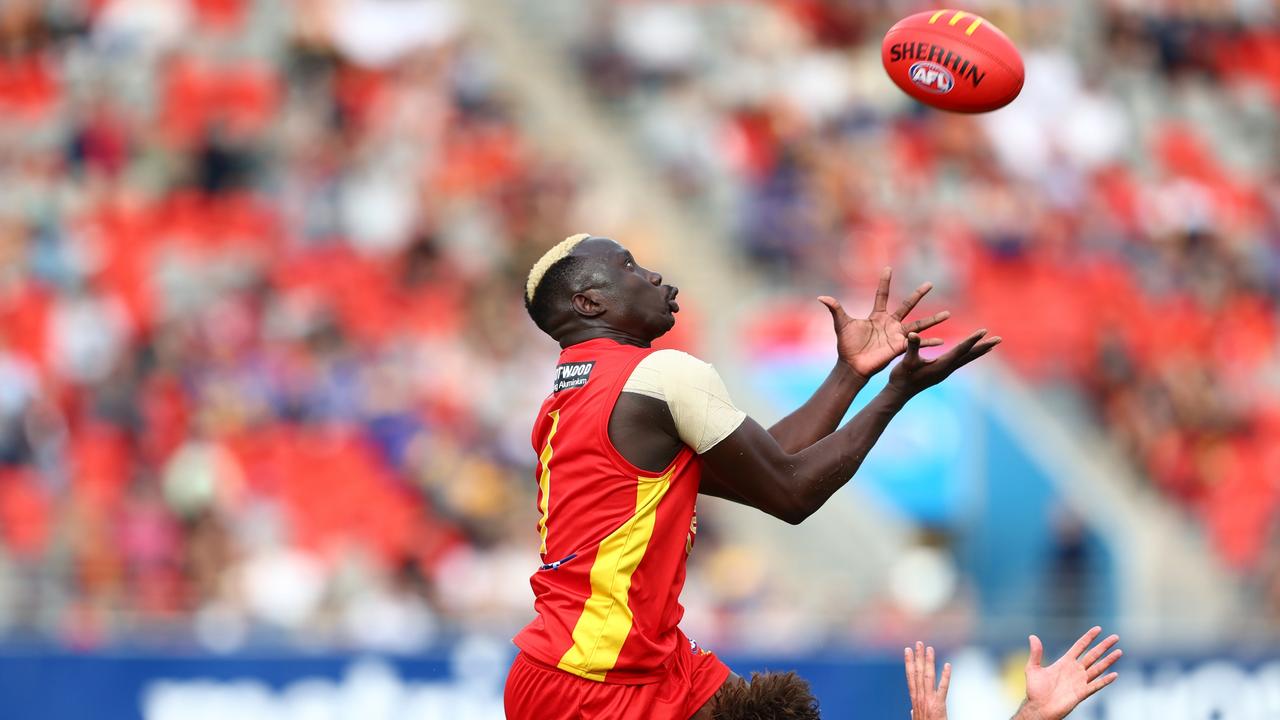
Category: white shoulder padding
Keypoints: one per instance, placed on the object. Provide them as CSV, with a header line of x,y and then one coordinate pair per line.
x,y
699,401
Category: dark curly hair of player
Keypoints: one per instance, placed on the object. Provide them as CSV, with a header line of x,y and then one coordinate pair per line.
x,y
769,696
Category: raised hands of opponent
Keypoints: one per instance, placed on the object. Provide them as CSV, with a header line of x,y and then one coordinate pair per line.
x,y
928,702
868,344
1052,691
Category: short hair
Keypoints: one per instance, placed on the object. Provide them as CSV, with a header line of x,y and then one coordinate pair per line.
x,y
769,696
540,269
551,277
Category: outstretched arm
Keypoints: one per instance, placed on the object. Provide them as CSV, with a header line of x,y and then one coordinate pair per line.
x,y
819,416
751,467
864,346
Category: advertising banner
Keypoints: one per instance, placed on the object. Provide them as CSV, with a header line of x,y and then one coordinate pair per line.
x,y
464,682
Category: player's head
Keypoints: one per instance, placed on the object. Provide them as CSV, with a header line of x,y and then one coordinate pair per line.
x,y
769,696
588,283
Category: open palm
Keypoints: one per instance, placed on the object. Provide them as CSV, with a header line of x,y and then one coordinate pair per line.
x,y
868,344
1055,690
928,702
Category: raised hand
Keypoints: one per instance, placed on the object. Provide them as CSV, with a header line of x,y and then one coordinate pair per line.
x,y
927,702
1054,691
916,373
868,345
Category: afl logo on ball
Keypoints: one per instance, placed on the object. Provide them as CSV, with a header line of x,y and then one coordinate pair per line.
x,y
931,77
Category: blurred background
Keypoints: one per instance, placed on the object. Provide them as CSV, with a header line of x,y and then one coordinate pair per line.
x,y
266,381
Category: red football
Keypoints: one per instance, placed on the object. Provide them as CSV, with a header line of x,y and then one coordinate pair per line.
x,y
953,60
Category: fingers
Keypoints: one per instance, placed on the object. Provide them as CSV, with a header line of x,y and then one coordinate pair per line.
x,y
1107,662
931,342
919,665
920,686
979,350
838,315
1096,652
913,348
907,305
957,353
929,669
1036,653
926,323
909,660
1100,683
1078,648
882,292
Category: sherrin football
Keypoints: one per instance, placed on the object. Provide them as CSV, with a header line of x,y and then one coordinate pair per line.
x,y
953,60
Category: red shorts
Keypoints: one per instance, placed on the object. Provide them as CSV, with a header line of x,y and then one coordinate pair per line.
x,y
537,691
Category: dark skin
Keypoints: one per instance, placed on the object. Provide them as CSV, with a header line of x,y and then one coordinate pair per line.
x,y
792,468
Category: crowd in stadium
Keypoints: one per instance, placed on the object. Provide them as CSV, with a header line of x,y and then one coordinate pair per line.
x,y
257,281
252,333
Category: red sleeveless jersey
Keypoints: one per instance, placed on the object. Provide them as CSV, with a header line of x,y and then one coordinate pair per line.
x,y
614,538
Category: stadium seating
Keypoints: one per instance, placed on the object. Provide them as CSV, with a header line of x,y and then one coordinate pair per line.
x,y
261,374
256,356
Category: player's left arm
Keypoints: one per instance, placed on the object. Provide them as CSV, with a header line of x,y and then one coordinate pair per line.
x,y
864,346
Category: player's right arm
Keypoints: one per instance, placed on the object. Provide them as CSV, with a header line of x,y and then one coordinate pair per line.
x,y
749,465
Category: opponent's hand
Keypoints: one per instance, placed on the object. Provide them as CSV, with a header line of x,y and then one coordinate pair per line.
x,y
916,373
1054,691
927,702
868,345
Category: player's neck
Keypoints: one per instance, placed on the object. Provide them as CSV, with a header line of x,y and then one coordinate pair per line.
x,y
602,333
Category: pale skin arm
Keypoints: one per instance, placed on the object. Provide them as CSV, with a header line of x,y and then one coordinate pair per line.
x,y
1053,691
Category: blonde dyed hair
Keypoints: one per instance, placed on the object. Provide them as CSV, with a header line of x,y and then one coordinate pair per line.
x,y
549,258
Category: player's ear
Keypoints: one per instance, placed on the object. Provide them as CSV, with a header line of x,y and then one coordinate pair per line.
x,y
589,303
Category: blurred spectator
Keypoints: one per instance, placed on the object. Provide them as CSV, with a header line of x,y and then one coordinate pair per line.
x,y
256,382
253,382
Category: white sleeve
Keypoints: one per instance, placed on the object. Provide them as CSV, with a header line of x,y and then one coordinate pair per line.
x,y
694,392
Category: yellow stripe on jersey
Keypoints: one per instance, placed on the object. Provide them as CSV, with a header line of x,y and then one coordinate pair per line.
x,y
606,619
544,480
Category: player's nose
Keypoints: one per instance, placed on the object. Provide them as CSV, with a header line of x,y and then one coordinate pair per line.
x,y
655,277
